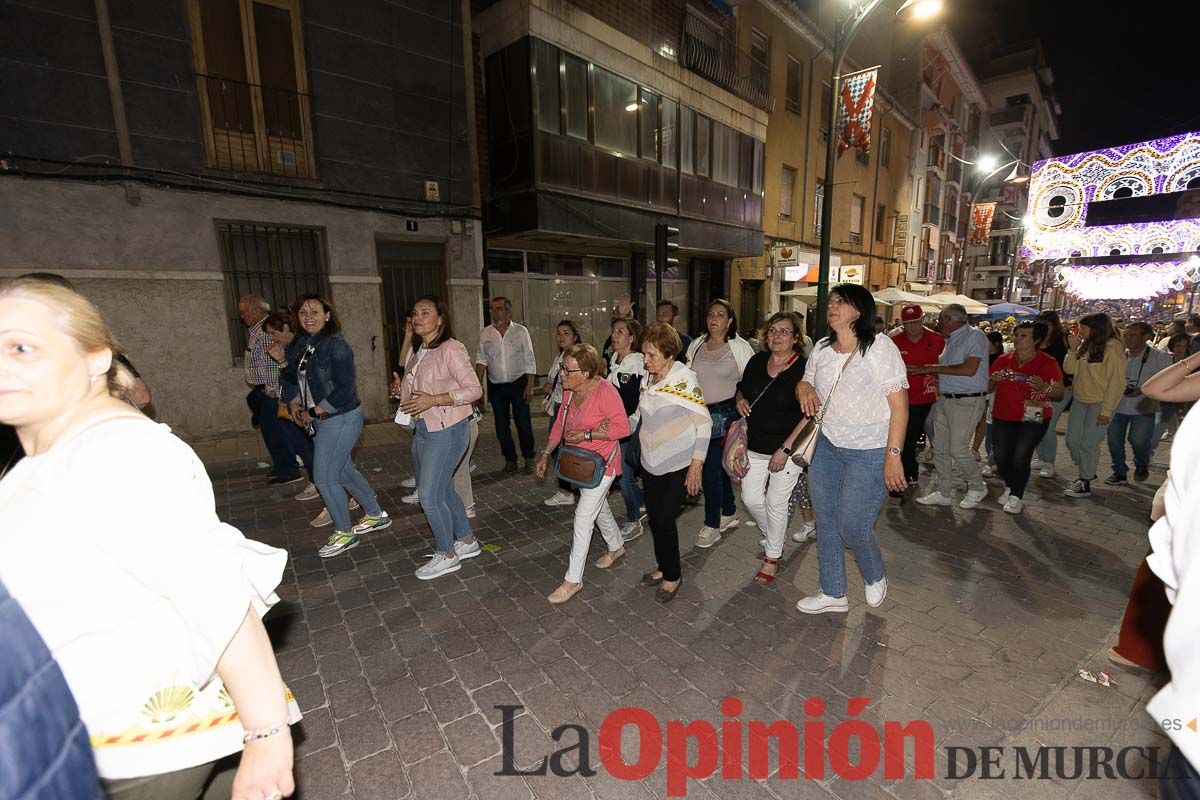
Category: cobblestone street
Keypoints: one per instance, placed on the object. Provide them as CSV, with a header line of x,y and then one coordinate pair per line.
x,y
988,619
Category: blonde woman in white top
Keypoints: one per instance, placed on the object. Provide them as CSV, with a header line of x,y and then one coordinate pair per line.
x,y
858,454
151,606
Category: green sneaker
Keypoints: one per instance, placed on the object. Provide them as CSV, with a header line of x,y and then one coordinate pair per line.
x,y
337,544
369,523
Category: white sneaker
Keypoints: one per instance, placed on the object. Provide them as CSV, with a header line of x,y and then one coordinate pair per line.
x,y
310,493
465,551
823,604
934,498
807,531
728,523
437,566
560,499
411,499
1047,471
470,511
876,592
409,483
708,537
972,498
1002,499
1014,505
1036,464
631,531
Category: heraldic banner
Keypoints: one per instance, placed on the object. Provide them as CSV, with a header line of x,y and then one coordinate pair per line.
x,y
981,223
855,104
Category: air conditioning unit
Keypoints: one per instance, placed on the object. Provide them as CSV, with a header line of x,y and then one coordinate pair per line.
x,y
855,238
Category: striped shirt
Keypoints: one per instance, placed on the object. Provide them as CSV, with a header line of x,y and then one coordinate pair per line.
x,y
671,435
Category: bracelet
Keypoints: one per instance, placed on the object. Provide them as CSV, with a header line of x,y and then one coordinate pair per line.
x,y
263,733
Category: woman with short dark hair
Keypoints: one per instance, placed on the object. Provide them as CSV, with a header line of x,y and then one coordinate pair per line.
x,y
860,380
324,400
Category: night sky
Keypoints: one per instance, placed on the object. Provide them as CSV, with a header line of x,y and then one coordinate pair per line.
x,y
1123,71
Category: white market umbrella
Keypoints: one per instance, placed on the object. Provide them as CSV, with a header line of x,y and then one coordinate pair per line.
x,y
972,305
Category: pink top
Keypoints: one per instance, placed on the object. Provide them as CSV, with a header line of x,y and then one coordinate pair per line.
x,y
446,368
604,403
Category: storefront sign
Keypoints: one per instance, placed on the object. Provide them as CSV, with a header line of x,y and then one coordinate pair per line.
x,y
853,273
786,255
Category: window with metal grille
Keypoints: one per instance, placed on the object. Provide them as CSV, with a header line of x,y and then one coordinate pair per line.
x,y
278,263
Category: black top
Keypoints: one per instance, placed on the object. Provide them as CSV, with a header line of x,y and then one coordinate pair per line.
x,y
1058,351
777,413
10,449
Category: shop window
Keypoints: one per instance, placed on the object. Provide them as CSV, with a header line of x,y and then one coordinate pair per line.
x,y
546,75
275,262
575,91
252,85
616,112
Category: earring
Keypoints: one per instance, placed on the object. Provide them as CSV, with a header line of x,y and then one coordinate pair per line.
x,y
91,379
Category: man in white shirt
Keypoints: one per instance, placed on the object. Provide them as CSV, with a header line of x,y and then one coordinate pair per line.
x,y
506,356
1134,420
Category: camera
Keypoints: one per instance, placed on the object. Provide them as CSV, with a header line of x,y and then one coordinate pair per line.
x,y
1131,389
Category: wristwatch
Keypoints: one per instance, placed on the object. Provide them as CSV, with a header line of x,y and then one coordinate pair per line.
x,y
587,435
787,451
894,451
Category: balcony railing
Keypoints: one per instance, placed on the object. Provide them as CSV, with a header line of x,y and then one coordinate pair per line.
x,y
710,55
933,215
1008,116
257,128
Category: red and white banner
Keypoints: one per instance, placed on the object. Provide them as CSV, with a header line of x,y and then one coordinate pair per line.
x,y
855,105
981,223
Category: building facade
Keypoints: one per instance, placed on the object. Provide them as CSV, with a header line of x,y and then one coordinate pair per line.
x,y
872,201
170,157
1021,122
602,121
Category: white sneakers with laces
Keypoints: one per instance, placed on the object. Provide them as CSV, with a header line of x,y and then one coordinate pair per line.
x,y
465,550
1014,505
708,537
823,604
876,592
934,498
560,498
439,565
807,531
972,498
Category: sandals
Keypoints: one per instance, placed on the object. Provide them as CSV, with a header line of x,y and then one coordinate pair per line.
x,y
762,578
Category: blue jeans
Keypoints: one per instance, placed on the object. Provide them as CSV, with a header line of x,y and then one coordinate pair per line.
x,y
435,457
283,438
847,491
1139,429
718,489
333,471
630,491
1047,449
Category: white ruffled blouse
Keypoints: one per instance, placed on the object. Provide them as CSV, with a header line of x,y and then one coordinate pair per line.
x,y
859,413
112,544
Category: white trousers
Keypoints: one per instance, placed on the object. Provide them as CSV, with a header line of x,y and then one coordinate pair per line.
x,y
591,510
765,495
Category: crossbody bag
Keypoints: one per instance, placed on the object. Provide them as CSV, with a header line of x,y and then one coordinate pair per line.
x,y
806,443
577,465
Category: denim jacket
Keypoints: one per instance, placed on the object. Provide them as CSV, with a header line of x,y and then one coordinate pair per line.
x,y
330,371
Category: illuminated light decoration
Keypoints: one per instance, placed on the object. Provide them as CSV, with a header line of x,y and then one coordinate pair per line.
x,y
981,223
1126,281
1061,188
854,111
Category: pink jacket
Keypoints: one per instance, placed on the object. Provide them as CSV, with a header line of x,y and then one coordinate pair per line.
x,y
604,403
446,368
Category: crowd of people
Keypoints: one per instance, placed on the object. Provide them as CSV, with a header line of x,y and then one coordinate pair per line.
x,y
827,429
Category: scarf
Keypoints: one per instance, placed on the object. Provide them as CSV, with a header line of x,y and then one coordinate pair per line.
x,y
681,388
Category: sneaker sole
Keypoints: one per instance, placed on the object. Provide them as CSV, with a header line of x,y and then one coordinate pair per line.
x,y
730,525
824,610
325,524
1077,495
555,504
632,538
304,498
440,573
472,554
919,502
703,546
339,551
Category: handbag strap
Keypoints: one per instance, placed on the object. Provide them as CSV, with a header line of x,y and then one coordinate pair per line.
x,y
786,367
563,441
841,372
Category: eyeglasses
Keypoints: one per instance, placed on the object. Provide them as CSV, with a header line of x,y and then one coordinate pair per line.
x,y
781,332
569,371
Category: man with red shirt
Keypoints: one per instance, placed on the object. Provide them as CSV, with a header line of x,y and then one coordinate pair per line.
x,y
918,346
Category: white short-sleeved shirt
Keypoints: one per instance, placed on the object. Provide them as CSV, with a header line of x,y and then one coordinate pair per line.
x,y
858,416
508,357
137,590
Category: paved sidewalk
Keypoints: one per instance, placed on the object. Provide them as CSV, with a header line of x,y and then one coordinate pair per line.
x,y
987,620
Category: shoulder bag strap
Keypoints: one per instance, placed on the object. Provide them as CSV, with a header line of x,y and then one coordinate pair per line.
x,y
841,372
786,367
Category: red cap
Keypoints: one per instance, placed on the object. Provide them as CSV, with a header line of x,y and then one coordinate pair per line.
x,y
909,313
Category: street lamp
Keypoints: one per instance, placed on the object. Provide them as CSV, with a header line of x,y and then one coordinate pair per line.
x,y
844,32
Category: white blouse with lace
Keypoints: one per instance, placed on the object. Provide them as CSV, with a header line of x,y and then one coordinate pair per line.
x,y
858,417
